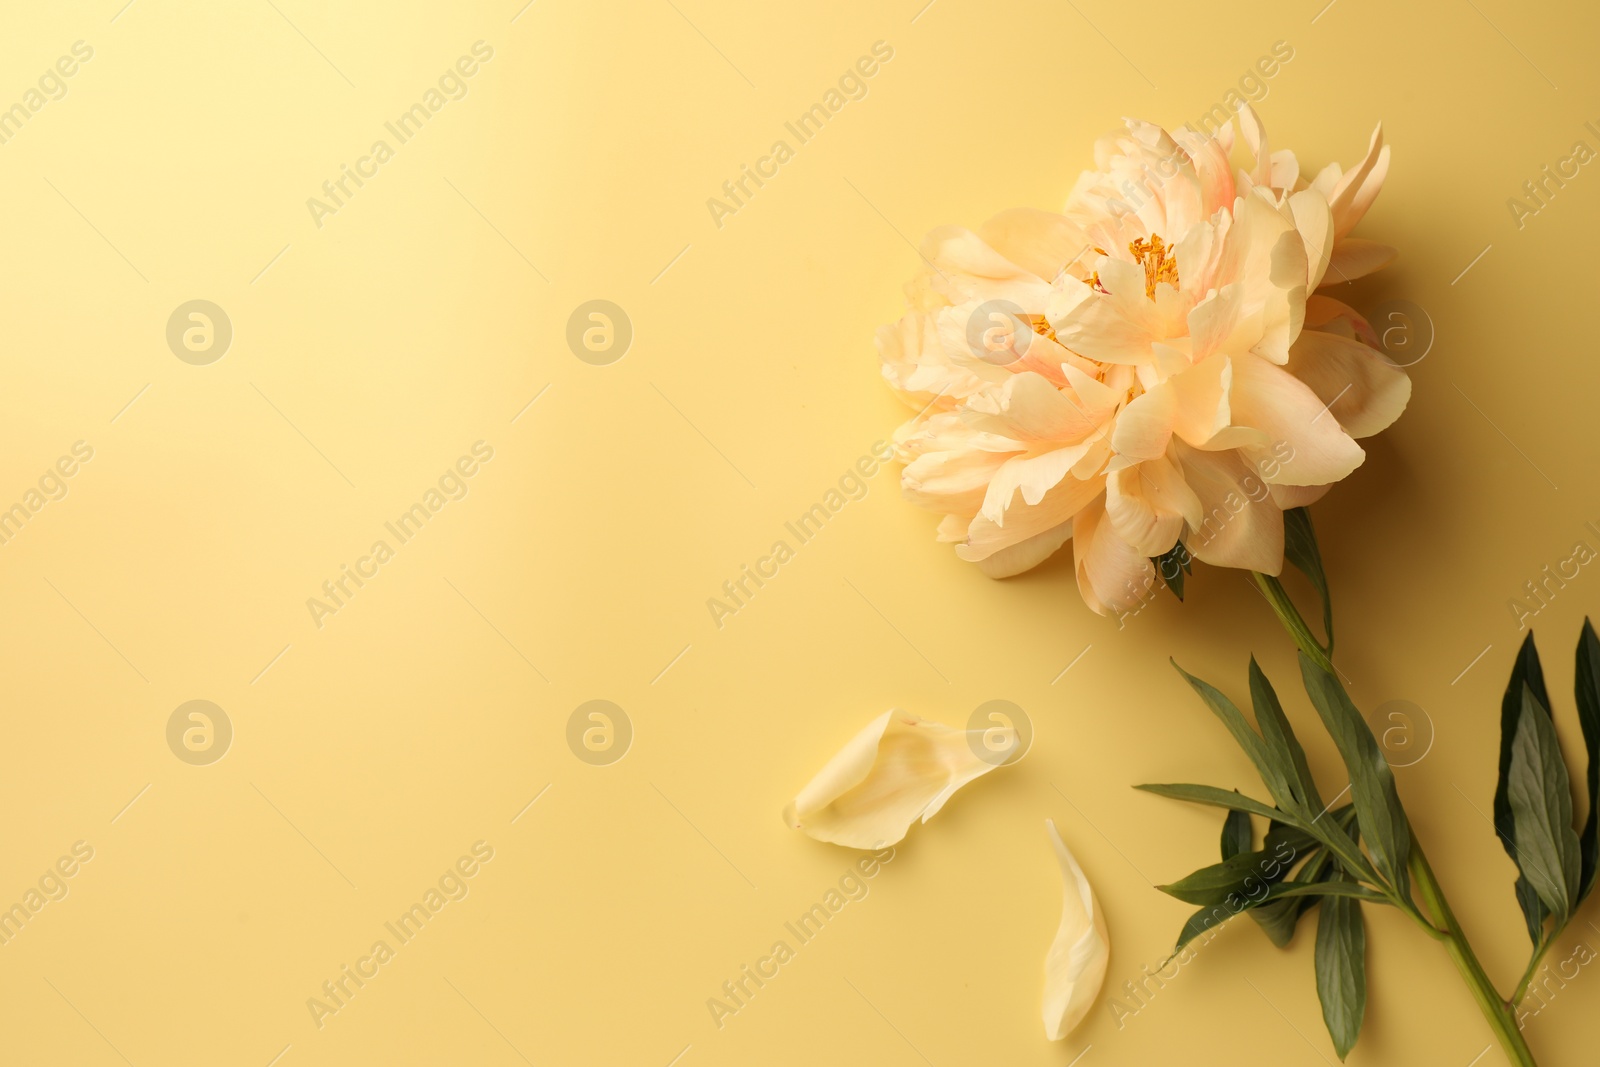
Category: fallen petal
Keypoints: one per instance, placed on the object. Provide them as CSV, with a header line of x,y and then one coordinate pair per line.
x,y
1075,969
895,771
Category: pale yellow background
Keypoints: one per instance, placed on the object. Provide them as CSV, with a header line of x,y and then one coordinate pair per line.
x,y
428,712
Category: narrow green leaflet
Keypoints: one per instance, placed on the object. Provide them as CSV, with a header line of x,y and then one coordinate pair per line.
x,y
1216,914
1540,794
1234,882
1379,815
1300,549
1217,798
1587,685
1526,671
1341,964
1237,834
1273,773
1280,741
1172,565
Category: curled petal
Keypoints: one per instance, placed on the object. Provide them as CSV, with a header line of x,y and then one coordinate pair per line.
x,y
1354,257
1241,521
1148,504
1362,390
1355,191
1112,575
1075,968
1040,241
1025,555
895,771
1270,399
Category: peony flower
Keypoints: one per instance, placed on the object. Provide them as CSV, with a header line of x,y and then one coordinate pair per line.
x,y
1075,969
1154,365
897,770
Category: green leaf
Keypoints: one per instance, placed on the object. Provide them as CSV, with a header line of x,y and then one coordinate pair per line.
x,y
1236,882
1172,565
1217,798
1341,963
1199,923
1526,671
1237,834
1587,685
1278,918
1323,889
1541,810
1278,737
1381,819
1300,549
1273,773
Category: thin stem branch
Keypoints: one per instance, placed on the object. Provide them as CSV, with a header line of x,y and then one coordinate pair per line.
x,y
1440,922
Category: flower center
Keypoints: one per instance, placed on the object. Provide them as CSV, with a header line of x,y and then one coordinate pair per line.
x,y
1041,326
1158,261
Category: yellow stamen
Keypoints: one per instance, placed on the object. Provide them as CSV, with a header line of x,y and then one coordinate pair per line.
x,y
1158,261
1041,326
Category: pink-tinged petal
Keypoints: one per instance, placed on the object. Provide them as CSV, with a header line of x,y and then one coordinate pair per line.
x,y
1362,390
1270,399
1209,157
1025,555
1240,525
1112,575
1333,316
1314,220
1038,241
1357,189
1061,504
1354,257
1148,505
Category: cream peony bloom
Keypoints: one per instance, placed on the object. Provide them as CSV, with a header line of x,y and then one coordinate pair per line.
x,y
1153,365
1075,969
895,771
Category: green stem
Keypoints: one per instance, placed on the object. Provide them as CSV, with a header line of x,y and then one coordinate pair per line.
x,y
1441,923
1533,969
1499,1014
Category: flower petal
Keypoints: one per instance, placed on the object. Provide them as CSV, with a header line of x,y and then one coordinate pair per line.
x,y
897,770
1355,257
1025,555
1357,189
1148,504
1270,399
1112,575
1075,968
1240,524
1363,391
